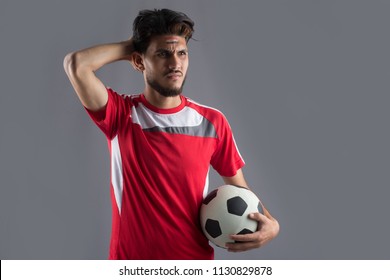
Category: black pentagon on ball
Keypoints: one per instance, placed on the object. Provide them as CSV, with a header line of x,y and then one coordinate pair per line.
x,y
212,228
236,206
210,196
244,231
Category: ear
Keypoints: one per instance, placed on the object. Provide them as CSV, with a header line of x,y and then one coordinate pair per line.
x,y
137,61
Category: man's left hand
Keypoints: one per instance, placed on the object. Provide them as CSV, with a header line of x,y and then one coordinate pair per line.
x,y
267,230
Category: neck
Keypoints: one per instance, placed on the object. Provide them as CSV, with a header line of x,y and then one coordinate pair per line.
x,y
160,101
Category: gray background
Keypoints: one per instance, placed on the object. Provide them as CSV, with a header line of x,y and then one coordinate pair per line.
x,y
304,84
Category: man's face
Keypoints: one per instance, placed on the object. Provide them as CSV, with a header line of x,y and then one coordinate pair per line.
x,y
166,63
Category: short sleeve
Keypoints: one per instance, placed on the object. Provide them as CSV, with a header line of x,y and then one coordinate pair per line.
x,y
226,159
108,118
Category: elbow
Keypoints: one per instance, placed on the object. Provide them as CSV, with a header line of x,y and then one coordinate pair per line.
x,y
73,64
70,63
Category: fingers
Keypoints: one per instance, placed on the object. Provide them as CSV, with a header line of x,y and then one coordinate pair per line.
x,y
267,230
240,247
246,242
249,237
258,217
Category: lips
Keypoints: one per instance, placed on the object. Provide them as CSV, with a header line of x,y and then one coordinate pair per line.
x,y
174,75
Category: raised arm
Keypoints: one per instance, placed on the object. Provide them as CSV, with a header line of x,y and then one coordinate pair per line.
x,y
80,66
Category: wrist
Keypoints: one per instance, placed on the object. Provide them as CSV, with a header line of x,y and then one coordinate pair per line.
x,y
128,48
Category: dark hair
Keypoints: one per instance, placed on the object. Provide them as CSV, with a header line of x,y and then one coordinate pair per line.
x,y
159,22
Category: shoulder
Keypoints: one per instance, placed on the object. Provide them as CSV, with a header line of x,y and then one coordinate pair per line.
x,y
210,113
213,115
127,99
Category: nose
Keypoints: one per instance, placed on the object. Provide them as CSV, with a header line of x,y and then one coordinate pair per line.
x,y
175,62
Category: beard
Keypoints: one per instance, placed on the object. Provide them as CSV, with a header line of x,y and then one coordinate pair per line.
x,y
165,91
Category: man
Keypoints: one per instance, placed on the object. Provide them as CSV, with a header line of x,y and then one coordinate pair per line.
x,y
161,144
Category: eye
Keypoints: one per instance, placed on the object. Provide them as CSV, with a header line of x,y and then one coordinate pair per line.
x,y
182,53
163,54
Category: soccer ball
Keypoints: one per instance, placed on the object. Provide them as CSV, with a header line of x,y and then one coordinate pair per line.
x,y
225,210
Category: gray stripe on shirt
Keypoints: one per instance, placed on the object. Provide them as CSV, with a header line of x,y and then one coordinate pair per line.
x,y
204,129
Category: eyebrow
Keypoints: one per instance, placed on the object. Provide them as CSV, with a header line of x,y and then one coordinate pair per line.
x,y
170,51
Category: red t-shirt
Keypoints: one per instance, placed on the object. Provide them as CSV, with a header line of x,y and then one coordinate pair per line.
x,y
160,161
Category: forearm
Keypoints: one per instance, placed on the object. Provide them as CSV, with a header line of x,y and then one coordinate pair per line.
x,y
80,67
237,179
95,57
